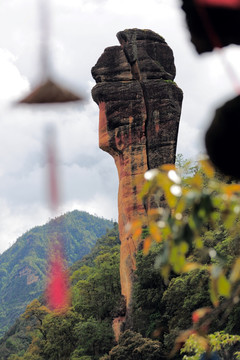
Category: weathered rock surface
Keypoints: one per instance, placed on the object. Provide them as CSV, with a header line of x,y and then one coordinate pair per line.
x,y
140,108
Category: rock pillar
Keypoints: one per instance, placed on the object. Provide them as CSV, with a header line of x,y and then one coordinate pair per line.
x,y
140,108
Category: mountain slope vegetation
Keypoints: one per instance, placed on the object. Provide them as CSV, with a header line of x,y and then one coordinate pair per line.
x,y
23,266
96,300
160,311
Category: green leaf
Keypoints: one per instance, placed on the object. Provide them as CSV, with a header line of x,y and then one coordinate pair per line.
x,y
183,247
213,292
235,274
224,287
198,242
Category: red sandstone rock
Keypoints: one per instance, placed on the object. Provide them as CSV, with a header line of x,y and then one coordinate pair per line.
x,y
140,108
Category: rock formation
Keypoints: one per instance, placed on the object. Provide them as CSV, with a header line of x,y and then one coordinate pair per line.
x,y
140,108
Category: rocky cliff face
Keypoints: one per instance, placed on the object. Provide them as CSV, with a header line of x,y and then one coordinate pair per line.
x,y
140,108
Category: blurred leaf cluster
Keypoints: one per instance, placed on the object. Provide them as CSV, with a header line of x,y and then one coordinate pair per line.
x,y
219,342
188,208
193,219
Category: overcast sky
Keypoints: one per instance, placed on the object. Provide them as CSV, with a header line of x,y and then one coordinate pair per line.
x,y
80,31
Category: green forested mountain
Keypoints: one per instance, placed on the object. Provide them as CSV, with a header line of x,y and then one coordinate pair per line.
x,y
85,331
23,266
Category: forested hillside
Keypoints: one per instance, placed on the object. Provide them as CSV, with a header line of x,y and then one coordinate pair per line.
x,y
160,310
86,329
23,266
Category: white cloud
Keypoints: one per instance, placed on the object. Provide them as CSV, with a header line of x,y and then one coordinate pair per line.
x,y
12,83
15,220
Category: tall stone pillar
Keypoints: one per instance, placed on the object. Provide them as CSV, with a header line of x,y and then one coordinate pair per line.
x,y
140,108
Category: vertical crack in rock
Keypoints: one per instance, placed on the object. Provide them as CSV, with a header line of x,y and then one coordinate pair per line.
x,y
128,41
147,118
140,108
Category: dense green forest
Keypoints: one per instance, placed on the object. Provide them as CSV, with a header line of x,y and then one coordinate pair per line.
x,y
23,266
160,310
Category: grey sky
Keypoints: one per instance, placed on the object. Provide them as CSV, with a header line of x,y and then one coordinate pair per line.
x,y
80,30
